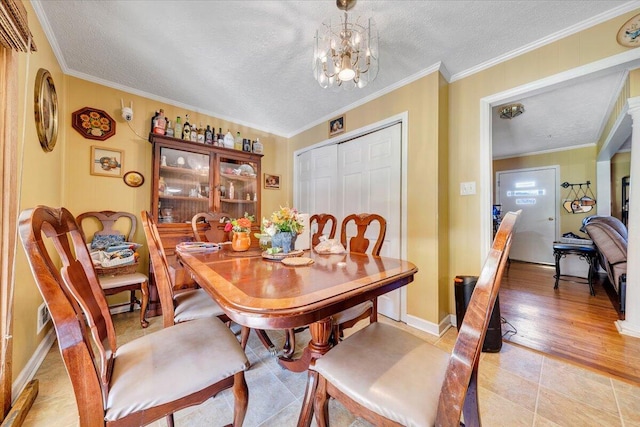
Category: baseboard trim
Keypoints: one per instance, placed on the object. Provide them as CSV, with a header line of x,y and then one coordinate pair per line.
x,y
32,366
430,327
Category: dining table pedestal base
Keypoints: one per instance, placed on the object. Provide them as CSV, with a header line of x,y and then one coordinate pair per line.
x,y
317,347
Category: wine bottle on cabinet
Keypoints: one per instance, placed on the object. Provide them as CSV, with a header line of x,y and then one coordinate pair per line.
x,y
159,123
186,128
238,142
200,135
228,140
153,120
194,133
169,131
177,131
257,146
208,136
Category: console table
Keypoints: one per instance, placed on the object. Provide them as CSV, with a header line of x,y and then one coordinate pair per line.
x,y
586,252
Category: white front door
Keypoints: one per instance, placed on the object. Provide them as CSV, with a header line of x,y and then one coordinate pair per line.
x,y
533,191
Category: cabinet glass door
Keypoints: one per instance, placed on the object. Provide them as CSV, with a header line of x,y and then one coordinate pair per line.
x,y
238,187
183,185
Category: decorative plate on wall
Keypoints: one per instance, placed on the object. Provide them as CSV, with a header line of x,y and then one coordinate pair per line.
x,y
629,33
93,123
133,179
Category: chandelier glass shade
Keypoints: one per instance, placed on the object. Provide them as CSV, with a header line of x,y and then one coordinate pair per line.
x,y
346,52
510,111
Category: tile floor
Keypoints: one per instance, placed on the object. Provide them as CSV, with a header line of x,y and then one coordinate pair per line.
x,y
518,387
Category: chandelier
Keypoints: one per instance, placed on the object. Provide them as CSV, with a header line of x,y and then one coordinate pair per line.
x,y
346,52
510,111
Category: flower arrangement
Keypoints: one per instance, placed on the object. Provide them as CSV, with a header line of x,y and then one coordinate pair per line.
x,y
242,224
283,220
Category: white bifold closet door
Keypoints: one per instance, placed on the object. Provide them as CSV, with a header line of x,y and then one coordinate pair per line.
x,y
361,175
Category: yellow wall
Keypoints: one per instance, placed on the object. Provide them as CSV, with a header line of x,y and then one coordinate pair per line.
x,y
443,139
84,191
62,177
587,46
42,183
425,100
576,166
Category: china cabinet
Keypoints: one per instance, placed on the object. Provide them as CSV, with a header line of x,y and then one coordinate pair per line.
x,y
191,177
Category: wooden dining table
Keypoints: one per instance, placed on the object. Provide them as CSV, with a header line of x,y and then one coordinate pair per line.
x,y
267,294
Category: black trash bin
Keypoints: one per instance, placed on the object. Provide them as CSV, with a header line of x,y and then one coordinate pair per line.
x,y
464,286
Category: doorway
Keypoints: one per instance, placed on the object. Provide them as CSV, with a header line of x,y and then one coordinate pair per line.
x,y
534,192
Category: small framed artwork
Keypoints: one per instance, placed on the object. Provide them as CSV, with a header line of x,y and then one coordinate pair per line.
x,y
336,126
133,179
106,161
93,123
271,182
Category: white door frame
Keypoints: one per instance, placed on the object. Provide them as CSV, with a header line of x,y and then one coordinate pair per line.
x,y
623,61
402,118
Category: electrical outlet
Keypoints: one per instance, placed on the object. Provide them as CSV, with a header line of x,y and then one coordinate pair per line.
x,y
43,316
467,188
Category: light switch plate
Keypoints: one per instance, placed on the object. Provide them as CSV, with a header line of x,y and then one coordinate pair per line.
x,y
467,188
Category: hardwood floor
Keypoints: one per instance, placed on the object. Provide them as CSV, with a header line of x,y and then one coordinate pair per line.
x,y
567,322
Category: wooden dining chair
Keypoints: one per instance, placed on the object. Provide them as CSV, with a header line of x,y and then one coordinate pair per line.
x,y
391,377
321,221
177,305
359,243
215,235
114,284
211,232
138,382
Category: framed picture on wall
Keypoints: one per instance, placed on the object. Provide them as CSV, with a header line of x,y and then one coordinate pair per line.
x,y
271,182
336,126
106,161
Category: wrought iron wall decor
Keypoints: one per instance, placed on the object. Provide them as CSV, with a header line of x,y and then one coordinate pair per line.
x,y
579,199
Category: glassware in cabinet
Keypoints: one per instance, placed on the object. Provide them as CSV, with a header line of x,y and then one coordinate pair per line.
x,y
238,187
183,185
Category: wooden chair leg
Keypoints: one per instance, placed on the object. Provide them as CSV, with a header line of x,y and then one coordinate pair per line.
x,y
289,347
321,403
306,412
132,300
241,397
144,290
244,337
266,341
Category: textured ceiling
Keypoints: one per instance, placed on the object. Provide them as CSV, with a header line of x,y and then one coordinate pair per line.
x,y
250,61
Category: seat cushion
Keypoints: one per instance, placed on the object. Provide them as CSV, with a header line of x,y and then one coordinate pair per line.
x,y
195,304
389,371
109,282
352,313
176,361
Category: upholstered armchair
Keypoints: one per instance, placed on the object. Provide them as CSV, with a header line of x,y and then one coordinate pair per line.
x,y
610,237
